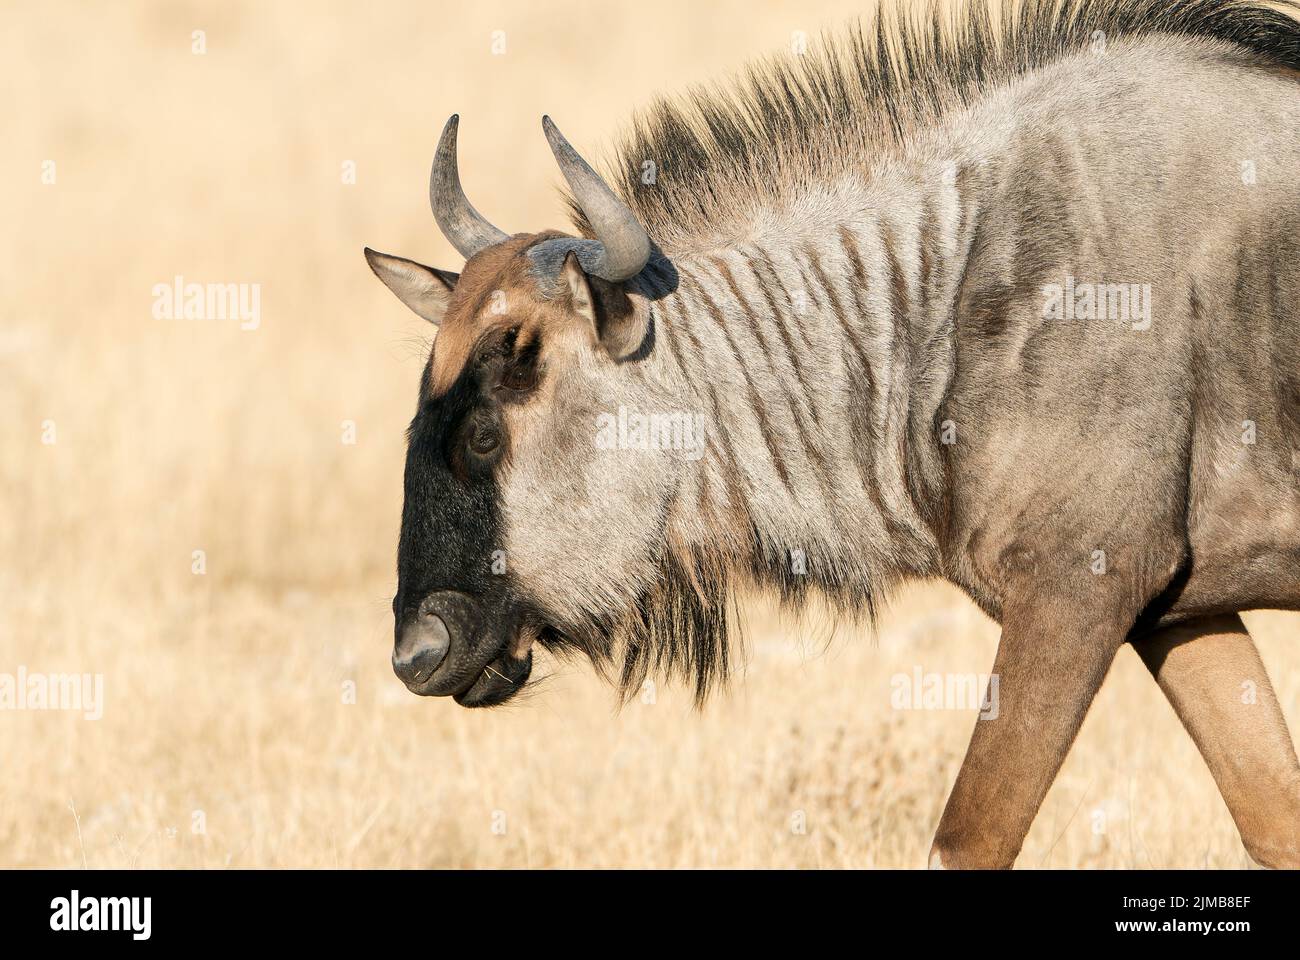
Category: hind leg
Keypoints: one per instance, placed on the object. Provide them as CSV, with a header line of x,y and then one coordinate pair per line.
x,y
1210,671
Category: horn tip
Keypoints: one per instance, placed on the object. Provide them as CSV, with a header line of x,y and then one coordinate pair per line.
x,y
553,135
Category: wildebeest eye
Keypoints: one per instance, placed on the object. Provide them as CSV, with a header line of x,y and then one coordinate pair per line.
x,y
521,375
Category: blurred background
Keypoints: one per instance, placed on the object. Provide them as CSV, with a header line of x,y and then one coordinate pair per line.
x,y
207,515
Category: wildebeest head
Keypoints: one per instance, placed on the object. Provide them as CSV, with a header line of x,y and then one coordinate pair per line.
x,y
517,527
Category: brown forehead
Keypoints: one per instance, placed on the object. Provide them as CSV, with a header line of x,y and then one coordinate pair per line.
x,y
502,268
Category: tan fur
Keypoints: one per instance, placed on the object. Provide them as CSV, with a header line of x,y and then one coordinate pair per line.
x,y
1212,674
1045,688
502,270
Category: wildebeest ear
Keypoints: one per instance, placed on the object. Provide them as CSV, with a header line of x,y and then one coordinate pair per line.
x,y
575,279
425,290
616,322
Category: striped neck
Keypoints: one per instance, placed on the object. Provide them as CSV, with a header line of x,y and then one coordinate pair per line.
x,y
818,361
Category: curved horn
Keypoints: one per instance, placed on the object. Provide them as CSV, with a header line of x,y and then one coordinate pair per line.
x,y
466,228
624,242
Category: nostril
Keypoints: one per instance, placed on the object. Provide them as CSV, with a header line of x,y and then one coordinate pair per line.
x,y
421,647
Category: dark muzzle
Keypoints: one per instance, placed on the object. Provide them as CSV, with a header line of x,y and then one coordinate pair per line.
x,y
432,636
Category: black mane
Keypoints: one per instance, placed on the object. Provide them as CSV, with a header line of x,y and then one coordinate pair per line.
x,y
856,93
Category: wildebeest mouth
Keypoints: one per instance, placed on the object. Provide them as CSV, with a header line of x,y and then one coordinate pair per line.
x,y
497,682
486,680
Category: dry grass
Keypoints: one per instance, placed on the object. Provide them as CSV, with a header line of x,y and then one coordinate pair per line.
x,y
224,691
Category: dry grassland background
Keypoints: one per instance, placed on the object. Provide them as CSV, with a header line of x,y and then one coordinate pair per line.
x,y
225,692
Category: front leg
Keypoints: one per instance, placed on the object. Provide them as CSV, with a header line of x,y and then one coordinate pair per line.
x,y
1051,660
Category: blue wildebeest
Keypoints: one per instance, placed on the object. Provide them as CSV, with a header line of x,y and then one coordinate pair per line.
x,y
1009,300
